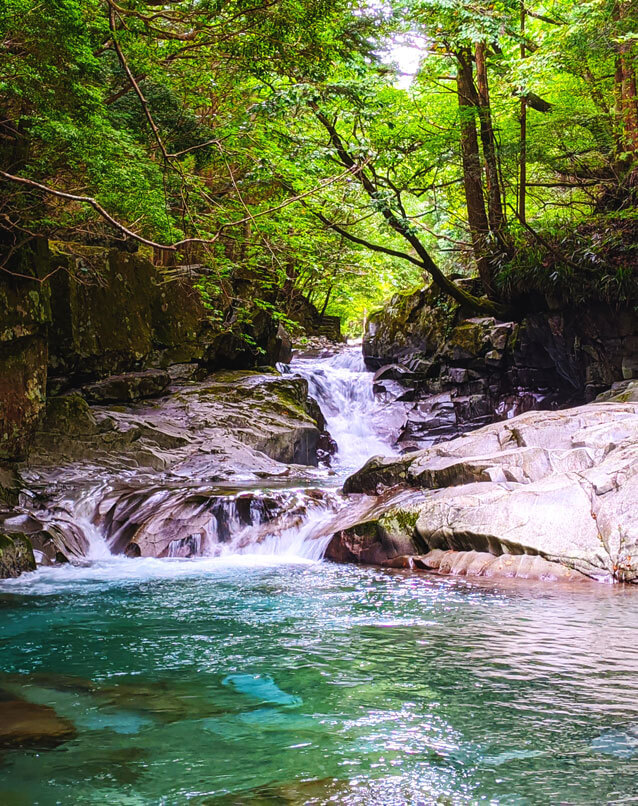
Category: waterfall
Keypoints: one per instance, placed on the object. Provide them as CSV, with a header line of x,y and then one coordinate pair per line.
x,y
156,515
356,419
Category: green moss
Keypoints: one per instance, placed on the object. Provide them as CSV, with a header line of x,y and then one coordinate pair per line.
x,y
70,415
400,521
16,555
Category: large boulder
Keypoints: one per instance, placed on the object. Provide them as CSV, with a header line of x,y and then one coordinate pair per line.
x,y
411,325
375,541
170,468
116,312
561,485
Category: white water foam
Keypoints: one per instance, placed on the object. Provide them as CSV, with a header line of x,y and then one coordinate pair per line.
x,y
119,569
354,416
300,534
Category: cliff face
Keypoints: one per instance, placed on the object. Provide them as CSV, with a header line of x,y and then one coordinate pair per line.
x,y
462,371
25,313
66,321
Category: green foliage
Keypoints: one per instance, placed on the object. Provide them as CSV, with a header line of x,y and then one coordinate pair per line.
x,y
595,262
225,145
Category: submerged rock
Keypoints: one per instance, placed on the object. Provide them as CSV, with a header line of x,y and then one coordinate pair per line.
x,y
28,725
562,486
260,687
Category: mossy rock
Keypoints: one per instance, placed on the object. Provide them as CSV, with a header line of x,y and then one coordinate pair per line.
x,y
9,485
412,324
25,304
16,555
69,415
23,373
623,392
378,541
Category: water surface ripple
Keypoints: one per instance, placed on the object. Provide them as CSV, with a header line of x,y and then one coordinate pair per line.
x,y
248,680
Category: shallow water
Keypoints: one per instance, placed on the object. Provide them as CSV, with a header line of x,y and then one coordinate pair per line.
x,y
266,677
244,680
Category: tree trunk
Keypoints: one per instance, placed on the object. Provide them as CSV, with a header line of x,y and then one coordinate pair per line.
x,y
629,101
494,202
472,173
626,97
522,176
423,257
325,303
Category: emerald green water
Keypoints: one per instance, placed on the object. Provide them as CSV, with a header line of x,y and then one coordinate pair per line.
x,y
248,682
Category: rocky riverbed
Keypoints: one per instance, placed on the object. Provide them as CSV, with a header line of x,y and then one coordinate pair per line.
x,y
156,475
547,490
230,462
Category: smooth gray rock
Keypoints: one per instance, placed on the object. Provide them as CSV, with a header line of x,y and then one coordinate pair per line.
x,y
562,486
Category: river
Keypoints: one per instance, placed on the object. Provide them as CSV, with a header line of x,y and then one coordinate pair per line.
x,y
261,675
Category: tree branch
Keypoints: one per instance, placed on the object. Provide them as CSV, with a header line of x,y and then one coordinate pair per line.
x,y
174,247
402,227
361,242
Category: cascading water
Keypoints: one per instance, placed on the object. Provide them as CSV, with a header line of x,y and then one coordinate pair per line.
x,y
358,422
253,674
144,514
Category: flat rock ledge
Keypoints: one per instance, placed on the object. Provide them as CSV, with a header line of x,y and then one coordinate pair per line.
x,y
561,487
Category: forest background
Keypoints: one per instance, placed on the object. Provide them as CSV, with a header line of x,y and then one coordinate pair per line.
x,y
275,141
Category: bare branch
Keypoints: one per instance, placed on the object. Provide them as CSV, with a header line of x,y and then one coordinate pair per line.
x,y
174,247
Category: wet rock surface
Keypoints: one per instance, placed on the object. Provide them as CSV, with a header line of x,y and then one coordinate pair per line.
x,y
460,371
25,724
483,564
559,485
164,477
128,387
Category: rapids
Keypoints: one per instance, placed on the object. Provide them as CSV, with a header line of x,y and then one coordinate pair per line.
x,y
291,518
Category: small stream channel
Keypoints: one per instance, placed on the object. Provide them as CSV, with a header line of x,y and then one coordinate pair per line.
x,y
243,670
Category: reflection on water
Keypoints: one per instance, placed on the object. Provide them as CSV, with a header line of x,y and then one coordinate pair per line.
x,y
244,682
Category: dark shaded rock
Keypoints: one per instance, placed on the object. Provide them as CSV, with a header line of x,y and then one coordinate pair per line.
x,y
282,350
24,315
27,725
495,369
68,415
378,541
102,313
16,555
377,472
391,372
23,373
128,387
25,305
413,324
9,485
115,312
